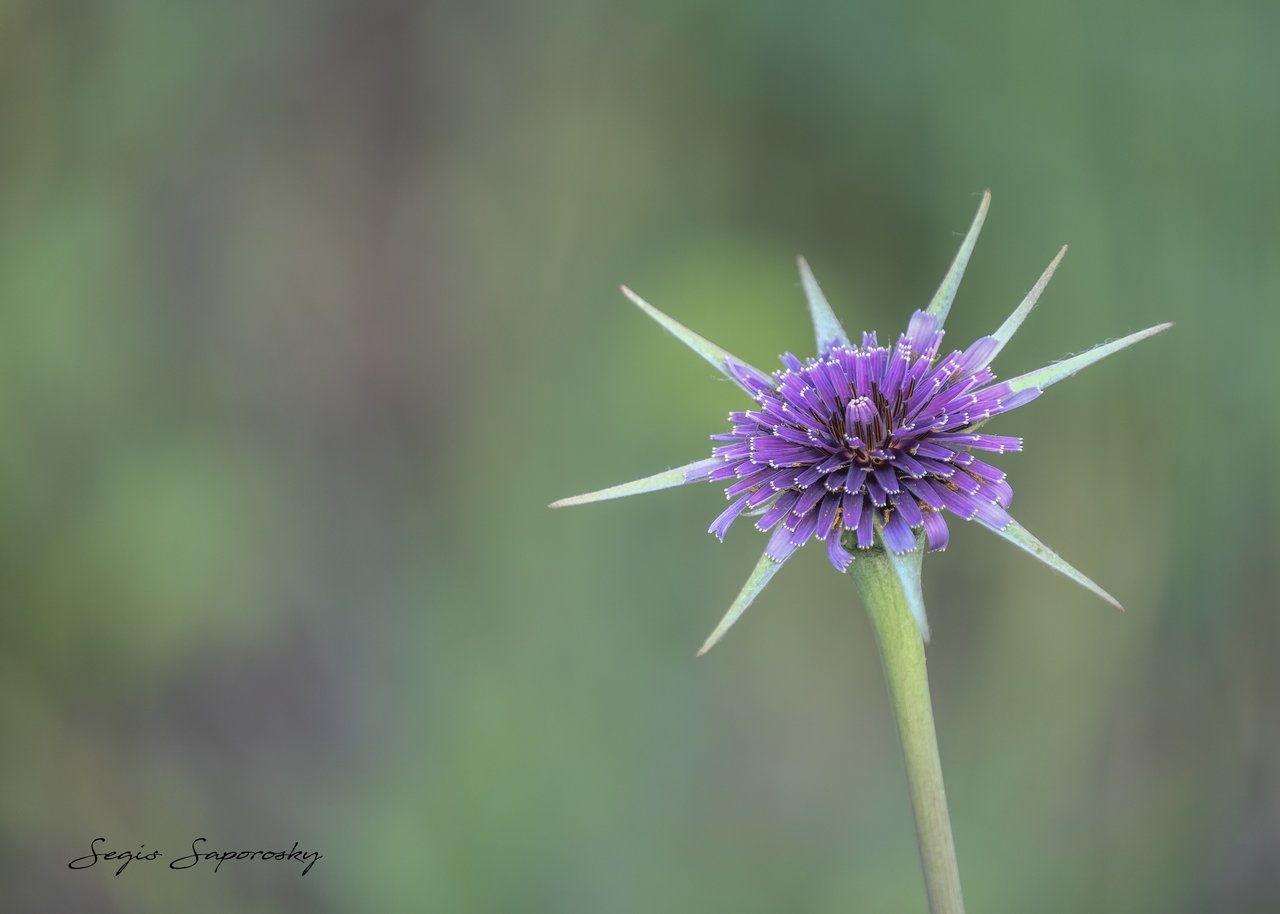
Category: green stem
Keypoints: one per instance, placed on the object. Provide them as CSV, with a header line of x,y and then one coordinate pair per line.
x,y
884,590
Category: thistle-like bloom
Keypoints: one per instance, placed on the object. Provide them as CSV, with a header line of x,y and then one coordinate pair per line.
x,y
867,445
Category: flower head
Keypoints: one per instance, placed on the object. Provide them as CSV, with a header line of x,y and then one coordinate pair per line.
x,y
868,436
866,446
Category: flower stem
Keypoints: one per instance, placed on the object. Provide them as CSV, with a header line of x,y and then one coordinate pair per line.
x,y
883,590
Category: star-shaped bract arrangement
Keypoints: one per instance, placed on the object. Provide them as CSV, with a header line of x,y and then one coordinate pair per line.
x,y
867,443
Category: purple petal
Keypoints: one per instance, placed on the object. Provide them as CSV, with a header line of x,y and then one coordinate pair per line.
x,y
720,526
909,509
724,471
822,382
750,481
809,498
959,504
828,508
736,451
915,374
696,472
751,378
933,451
998,443
774,409
855,476
896,370
935,531
978,355
887,478
840,379
1021,398
839,556
983,470
859,410
942,372
897,535
808,477
938,468
805,529
780,453
832,463
780,545
925,490
851,509
778,510
998,491
864,373
783,479
866,525
810,399
802,437
876,491
929,347
991,514
908,464
922,326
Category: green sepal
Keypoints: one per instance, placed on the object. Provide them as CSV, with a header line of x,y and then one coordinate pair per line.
x,y
764,571
880,573
827,330
719,358
940,306
664,480
1021,537
1059,371
1014,321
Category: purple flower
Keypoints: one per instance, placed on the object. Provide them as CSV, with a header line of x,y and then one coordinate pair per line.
x,y
868,436
868,446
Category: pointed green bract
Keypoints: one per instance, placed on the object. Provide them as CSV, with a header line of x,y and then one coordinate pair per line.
x,y
664,480
885,578
826,326
1023,539
907,569
1010,326
941,304
701,345
1052,374
760,576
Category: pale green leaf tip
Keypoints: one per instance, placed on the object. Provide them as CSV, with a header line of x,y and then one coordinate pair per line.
x,y
765,569
667,479
713,354
1060,371
827,328
907,566
1027,541
1028,303
940,305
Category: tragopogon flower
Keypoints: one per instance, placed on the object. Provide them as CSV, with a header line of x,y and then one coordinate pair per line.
x,y
868,442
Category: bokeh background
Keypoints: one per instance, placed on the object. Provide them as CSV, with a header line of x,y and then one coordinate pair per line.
x,y
308,309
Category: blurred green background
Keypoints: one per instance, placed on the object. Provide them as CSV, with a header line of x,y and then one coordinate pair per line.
x,y
308,309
